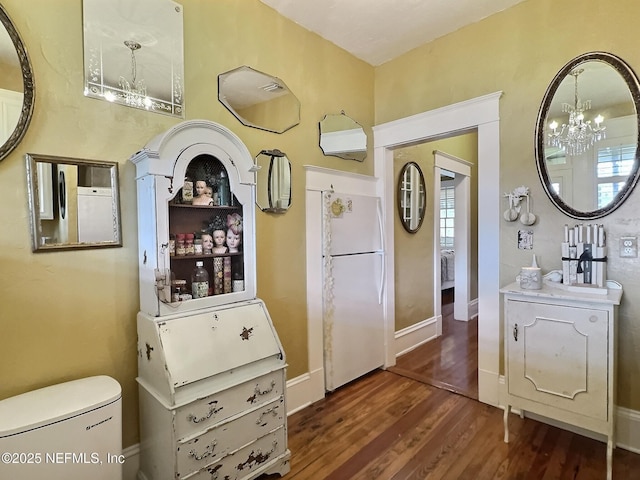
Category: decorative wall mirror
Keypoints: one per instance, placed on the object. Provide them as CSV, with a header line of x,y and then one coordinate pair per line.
x,y
133,54
73,203
258,100
587,136
341,136
17,90
273,181
411,197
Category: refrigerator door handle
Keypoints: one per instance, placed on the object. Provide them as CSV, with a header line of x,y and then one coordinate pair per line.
x,y
380,226
382,271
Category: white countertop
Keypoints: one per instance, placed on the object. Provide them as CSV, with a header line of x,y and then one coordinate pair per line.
x,y
560,291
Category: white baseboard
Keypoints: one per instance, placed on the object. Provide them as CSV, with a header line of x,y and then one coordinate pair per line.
x,y
131,462
412,337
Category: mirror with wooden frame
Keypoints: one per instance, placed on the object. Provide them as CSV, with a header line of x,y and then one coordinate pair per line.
x,y
411,197
74,203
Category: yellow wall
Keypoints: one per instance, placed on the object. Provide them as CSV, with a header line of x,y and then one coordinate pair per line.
x,y
519,51
67,315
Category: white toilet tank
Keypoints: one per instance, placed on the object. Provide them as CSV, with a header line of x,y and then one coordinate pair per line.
x,y
69,431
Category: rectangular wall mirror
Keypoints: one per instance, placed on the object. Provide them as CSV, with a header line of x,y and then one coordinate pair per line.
x,y
73,203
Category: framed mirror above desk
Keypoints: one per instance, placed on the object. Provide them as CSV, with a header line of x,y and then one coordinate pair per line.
x,y
73,203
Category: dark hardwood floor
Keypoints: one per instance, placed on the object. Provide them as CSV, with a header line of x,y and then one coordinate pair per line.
x,y
398,426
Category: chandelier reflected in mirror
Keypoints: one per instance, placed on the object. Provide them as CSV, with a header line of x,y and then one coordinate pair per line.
x,y
135,91
579,135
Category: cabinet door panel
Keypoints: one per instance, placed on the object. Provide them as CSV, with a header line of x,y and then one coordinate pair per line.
x,y
559,356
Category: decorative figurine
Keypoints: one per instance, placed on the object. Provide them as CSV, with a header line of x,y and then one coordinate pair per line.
x,y
219,238
204,194
233,241
207,243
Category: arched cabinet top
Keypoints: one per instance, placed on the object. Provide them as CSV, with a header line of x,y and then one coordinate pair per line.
x,y
160,155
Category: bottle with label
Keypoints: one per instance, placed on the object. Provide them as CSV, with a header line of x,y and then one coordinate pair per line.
x,y
199,281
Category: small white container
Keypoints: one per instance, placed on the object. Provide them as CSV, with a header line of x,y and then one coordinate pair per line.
x,y
530,278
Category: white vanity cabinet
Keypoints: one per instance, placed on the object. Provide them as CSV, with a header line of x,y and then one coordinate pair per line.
x,y
560,356
211,370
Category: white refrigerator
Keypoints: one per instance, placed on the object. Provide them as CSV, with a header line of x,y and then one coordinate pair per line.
x,y
353,270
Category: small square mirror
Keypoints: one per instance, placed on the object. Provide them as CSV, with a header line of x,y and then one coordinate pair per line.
x,y
73,203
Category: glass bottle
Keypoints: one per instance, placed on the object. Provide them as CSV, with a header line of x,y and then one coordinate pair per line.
x,y
224,192
199,281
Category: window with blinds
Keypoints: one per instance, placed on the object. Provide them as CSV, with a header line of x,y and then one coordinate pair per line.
x,y
447,216
614,164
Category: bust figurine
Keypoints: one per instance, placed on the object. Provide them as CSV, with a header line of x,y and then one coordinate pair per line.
x,y
233,241
204,194
219,238
207,243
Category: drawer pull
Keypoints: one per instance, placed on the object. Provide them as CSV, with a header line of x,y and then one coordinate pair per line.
x,y
207,452
212,411
257,392
515,332
267,391
272,411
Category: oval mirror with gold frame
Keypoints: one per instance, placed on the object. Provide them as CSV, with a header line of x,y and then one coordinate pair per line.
x,y
411,197
17,90
587,136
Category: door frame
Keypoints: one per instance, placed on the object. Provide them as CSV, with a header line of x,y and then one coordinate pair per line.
x,y
462,232
481,114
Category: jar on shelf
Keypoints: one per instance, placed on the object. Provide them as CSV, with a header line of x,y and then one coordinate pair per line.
x,y
179,289
172,245
199,281
180,245
197,245
189,248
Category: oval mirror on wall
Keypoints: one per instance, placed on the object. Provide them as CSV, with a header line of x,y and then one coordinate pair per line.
x,y
411,197
16,86
587,136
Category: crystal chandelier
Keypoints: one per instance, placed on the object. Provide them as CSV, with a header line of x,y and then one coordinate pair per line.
x,y
135,92
578,135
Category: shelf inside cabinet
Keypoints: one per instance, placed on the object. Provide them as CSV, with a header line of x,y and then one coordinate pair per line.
x,y
205,256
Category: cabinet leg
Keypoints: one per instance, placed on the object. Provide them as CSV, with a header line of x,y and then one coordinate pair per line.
x,y
507,408
609,458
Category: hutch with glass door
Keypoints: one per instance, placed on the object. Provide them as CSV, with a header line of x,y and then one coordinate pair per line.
x,y
211,368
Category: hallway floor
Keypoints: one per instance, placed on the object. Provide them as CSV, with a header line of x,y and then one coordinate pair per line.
x,y
451,360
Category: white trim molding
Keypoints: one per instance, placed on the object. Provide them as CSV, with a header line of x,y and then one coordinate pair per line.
x,y
482,115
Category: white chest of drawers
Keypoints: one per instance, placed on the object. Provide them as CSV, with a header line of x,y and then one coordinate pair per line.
x,y
211,388
560,356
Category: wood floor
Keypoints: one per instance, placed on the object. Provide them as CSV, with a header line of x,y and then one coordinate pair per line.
x,y
451,360
397,426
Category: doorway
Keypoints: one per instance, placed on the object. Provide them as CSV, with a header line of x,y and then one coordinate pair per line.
x,y
481,114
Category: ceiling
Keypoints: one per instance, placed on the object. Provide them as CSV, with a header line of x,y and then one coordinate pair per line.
x,y
377,31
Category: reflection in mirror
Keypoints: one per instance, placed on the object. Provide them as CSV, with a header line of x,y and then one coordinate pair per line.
x,y
411,197
74,203
587,136
273,181
341,136
16,86
258,100
133,54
